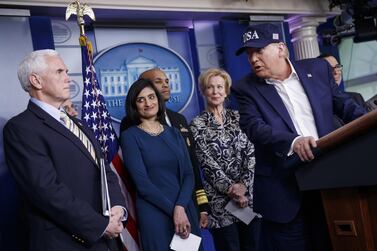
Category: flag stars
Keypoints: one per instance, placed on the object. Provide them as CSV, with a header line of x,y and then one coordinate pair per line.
x,y
87,70
94,104
94,127
87,81
86,94
94,115
87,105
105,149
87,117
112,137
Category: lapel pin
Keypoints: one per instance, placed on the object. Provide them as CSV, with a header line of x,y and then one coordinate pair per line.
x,y
309,75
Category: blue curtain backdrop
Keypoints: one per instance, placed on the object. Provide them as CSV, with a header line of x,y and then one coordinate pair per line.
x,y
13,230
41,33
237,66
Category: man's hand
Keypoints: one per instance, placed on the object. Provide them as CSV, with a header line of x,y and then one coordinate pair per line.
x,y
115,226
117,212
303,148
113,229
203,222
181,222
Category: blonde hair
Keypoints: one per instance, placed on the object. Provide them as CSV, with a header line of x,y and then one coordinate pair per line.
x,y
214,72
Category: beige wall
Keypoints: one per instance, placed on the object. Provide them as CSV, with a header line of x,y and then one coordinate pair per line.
x,y
235,6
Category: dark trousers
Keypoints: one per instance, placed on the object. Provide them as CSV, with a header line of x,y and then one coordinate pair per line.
x,y
306,232
237,237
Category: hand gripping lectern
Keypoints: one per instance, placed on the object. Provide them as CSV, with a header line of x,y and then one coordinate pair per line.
x,y
346,174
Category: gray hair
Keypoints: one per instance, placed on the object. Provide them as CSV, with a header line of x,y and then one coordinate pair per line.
x,y
35,62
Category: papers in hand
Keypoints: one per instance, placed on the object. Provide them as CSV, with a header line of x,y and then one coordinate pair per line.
x,y
190,244
245,214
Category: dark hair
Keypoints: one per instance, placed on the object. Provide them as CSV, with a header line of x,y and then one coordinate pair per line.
x,y
133,116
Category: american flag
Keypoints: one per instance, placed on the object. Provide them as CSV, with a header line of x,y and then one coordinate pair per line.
x,y
96,116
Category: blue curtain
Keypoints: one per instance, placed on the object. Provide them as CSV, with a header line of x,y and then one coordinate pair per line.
x,y
41,33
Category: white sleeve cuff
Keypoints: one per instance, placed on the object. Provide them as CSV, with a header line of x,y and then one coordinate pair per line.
x,y
293,142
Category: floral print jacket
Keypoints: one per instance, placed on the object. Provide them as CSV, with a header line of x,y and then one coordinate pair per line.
x,y
226,157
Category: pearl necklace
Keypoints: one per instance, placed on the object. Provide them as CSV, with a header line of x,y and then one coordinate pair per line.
x,y
153,132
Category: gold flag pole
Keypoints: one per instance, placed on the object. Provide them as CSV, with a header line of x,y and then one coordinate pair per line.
x,y
80,10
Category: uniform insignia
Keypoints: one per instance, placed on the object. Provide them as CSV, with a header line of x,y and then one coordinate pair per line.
x,y
309,75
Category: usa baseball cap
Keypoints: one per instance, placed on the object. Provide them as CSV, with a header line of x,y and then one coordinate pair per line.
x,y
259,36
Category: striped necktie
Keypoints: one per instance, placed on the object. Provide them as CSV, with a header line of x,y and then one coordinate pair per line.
x,y
78,133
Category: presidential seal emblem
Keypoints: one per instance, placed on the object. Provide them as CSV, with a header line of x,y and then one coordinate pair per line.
x,y
119,67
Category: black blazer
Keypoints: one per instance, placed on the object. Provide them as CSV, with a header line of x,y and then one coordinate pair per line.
x,y
178,121
60,182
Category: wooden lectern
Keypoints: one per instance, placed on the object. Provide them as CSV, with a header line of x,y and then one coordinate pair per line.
x,y
346,173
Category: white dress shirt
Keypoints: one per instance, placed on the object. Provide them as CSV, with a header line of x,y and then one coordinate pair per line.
x,y
51,110
297,104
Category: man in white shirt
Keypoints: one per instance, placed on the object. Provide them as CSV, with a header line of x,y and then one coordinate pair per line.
x,y
284,107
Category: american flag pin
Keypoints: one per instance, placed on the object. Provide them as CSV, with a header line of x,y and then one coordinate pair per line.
x,y
309,75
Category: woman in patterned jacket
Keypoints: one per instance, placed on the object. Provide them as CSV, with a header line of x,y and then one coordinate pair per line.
x,y
227,160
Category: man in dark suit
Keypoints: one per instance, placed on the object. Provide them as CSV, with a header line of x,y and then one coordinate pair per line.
x,y
177,120
337,73
285,107
57,175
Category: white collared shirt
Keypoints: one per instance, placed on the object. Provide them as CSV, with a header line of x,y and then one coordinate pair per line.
x,y
51,110
167,119
297,103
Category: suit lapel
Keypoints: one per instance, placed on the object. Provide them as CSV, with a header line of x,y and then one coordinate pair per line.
x,y
59,128
270,94
307,81
174,120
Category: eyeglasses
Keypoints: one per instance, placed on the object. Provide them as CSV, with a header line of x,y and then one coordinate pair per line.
x,y
338,67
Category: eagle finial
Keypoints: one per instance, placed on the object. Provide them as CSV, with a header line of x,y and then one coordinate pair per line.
x,y
80,10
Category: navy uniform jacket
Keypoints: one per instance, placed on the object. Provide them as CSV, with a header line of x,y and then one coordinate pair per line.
x,y
60,182
268,125
178,121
